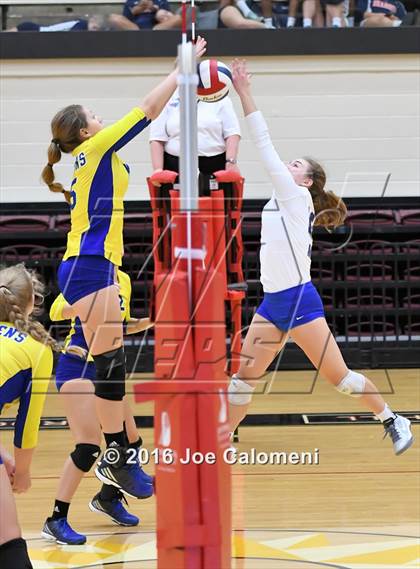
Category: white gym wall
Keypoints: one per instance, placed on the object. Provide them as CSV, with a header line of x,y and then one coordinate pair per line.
x,y
359,115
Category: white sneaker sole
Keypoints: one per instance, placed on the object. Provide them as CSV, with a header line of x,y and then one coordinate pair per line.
x,y
50,537
406,447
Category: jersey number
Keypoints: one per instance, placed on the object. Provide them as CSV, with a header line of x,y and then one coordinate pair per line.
x,y
72,194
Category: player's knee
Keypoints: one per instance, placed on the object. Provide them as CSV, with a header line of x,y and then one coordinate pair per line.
x,y
352,384
110,375
85,455
239,391
14,553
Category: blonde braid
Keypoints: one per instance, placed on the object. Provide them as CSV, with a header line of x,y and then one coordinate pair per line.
x,y
14,315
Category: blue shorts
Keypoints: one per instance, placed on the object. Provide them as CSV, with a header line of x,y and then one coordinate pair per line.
x,y
82,275
71,367
292,307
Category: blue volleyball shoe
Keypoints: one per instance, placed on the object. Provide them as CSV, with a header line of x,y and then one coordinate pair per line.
x,y
146,477
118,469
114,509
60,531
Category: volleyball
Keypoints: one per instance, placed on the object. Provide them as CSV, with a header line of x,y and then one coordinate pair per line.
x,y
214,80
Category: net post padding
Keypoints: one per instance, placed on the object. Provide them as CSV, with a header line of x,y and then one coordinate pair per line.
x,y
193,500
233,255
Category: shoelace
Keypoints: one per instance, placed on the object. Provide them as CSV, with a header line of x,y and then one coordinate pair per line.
x,y
393,431
122,498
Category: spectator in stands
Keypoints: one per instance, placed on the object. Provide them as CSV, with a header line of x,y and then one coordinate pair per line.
x,y
261,11
94,23
232,16
218,136
146,15
312,14
382,13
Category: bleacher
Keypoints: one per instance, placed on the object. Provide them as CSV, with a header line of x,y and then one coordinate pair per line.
x,y
367,273
47,12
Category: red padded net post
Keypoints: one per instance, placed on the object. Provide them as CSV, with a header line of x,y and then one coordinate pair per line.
x,y
193,500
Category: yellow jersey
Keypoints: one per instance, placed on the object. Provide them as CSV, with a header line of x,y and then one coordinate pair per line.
x,y
100,182
25,371
75,337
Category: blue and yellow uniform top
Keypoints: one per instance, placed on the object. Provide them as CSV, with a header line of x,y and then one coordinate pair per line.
x,y
25,371
75,337
100,181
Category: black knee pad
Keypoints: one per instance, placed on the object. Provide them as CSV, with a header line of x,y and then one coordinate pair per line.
x,y
14,553
110,375
84,456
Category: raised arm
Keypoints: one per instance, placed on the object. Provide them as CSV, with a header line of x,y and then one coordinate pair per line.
x,y
283,182
121,132
153,104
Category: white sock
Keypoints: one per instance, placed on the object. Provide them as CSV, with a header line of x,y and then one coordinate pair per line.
x,y
243,7
291,21
268,23
336,22
386,414
307,22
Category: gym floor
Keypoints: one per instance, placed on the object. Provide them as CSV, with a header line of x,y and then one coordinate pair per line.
x,y
359,507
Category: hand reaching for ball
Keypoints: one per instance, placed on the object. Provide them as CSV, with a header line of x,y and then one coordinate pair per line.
x,y
200,47
240,77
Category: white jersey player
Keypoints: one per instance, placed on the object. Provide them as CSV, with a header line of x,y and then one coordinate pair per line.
x,y
291,305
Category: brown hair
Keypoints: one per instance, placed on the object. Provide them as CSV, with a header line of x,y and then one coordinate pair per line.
x,y
330,210
17,285
65,128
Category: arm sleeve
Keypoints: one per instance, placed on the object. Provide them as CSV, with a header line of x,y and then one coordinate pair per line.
x,y
56,310
229,119
158,126
284,185
32,401
117,135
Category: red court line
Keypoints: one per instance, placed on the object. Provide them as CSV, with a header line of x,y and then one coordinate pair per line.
x,y
277,473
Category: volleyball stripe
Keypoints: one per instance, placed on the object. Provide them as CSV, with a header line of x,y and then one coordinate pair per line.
x,y
211,86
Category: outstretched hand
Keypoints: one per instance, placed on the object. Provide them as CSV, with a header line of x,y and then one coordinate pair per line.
x,y
200,47
240,77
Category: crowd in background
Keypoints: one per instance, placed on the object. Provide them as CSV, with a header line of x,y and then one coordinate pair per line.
x,y
245,14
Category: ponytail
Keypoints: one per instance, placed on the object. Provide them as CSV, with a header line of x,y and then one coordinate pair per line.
x,y
65,128
47,175
330,210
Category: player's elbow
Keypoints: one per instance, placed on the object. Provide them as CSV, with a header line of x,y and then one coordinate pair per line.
x,y
150,108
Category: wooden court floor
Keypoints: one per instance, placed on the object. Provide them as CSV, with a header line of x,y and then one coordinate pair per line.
x,y
358,508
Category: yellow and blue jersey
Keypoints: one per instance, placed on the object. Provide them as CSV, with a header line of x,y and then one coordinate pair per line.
x,y
100,181
25,371
75,336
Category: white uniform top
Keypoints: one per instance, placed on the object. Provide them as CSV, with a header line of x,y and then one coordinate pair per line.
x,y
287,219
215,122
